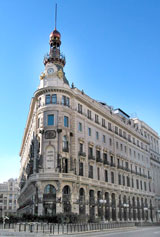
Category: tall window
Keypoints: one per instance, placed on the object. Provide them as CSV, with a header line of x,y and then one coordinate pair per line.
x,y
65,100
110,141
112,177
104,138
106,175
98,173
80,127
91,171
89,131
66,124
65,144
103,123
109,126
81,147
50,119
80,108
119,179
54,99
89,114
81,169
48,99
96,118
90,151
137,183
97,135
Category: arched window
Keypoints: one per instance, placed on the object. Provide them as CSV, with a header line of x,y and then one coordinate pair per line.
x,y
66,197
50,189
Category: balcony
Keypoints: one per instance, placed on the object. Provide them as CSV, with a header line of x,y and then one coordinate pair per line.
x,y
81,153
106,162
112,164
90,157
98,159
65,149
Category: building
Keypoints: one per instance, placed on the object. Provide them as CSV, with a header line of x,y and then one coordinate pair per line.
x,y
8,197
79,155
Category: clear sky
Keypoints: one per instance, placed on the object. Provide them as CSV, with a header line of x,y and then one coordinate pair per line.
x,y
112,48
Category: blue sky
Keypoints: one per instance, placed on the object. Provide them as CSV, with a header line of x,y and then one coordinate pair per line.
x,y
112,48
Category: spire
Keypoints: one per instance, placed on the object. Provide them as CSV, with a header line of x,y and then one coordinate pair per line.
x,y
56,16
55,42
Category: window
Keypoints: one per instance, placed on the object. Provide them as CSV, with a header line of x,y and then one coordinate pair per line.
x,y
109,127
91,171
54,99
97,135
145,186
128,181
123,180
103,123
65,101
48,99
81,169
106,175
38,122
80,108
89,115
81,147
110,141
125,149
90,151
65,144
132,182
119,179
98,154
104,138
120,132
89,131
117,145
98,173
121,147
116,130
112,177
66,124
105,158
141,185
137,183
50,119
80,127
96,118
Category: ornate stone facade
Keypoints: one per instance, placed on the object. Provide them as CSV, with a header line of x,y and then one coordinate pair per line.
x,y
79,155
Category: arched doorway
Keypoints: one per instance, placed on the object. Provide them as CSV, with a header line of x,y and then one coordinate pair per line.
x,y
91,205
66,198
100,205
107,207
49,200
82,209
113,207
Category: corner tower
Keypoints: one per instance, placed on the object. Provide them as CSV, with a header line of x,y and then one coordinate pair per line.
x,y
54,62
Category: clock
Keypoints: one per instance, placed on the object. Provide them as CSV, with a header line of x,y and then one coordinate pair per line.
x,y
50,71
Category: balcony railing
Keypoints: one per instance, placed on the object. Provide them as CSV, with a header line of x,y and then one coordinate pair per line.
x,y
90,157
81,153
65,149
98,159
112,164
106,162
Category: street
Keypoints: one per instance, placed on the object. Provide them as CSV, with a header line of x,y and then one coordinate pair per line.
x,y
133,232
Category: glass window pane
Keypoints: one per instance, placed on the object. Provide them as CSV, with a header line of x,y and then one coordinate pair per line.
x,y
54,99
47,99
50,119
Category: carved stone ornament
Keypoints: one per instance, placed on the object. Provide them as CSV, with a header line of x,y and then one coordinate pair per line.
x,y
50,134
60,74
